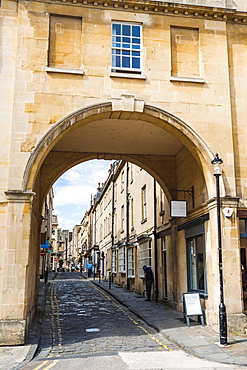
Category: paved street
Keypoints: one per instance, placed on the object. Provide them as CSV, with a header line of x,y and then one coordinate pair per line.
x,y
84,327
83,319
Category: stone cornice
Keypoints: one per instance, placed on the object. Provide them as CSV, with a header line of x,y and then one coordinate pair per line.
x,y
227,14
19,196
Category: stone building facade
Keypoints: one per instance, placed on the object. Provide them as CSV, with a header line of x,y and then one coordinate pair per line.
x,y
128,219
160,85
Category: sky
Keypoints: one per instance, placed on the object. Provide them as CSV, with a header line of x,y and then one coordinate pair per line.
x,y
73,190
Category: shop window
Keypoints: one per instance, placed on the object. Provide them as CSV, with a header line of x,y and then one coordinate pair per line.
x,y
121,259
65,47
126,47
131,263
185,52
196,264
144,255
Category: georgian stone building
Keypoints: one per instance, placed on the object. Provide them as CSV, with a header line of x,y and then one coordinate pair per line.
x,y
129,221
161,85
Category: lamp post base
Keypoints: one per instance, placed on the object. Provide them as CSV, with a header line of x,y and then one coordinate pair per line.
x,y
223,324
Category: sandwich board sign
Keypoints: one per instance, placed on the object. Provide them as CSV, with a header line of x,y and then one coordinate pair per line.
x,y
192,307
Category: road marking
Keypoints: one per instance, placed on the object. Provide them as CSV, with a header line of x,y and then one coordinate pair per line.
x,y
41,365
51,365
164,346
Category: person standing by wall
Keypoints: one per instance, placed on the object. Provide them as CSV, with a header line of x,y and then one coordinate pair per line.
x,y
148,274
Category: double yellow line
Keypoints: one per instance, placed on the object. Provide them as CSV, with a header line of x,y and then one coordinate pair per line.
x,y
47,367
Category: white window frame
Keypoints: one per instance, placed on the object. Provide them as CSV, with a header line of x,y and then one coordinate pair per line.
x,y
144,202
121,260
119,47
122,218
122,181
132,213
114,261
145,256
131,262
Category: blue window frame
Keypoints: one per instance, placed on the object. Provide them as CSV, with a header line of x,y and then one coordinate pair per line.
x,y
126,47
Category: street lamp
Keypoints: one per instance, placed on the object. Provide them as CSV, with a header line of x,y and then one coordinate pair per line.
x,y
222,308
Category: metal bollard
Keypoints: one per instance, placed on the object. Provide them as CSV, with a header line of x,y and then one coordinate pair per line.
x,y
109,280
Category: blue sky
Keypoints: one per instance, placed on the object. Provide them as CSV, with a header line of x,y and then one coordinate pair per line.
x,y
73,190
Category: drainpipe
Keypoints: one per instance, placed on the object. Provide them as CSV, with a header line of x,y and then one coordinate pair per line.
x,y
155,246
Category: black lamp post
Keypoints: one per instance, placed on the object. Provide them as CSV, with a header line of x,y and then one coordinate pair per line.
x,y
222,308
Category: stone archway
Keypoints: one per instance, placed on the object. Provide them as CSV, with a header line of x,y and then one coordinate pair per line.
x,y
125,109
60,149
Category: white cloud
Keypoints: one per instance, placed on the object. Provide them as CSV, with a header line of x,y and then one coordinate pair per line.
x,y
73,191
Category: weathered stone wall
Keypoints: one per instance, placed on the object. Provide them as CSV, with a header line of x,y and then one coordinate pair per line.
x,y
40,91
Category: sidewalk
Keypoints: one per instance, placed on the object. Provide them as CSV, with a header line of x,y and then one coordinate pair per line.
x,y
14,357
197,340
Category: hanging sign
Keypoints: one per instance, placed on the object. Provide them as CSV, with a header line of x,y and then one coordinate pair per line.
x,y
178,208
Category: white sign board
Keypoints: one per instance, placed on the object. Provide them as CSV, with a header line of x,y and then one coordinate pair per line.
x,y
178,208
192,304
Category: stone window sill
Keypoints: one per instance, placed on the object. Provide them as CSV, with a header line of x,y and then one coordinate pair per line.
x,y
64,70
128,75
187,79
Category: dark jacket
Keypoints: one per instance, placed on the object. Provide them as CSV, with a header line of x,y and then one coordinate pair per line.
x,y
148,273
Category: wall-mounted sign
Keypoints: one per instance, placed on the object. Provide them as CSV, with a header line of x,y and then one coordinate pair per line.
x,y
178,208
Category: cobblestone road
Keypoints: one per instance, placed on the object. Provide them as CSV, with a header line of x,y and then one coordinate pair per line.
x,y
81,320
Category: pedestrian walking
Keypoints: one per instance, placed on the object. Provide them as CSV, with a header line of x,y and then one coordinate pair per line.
x,y
89,269
148,274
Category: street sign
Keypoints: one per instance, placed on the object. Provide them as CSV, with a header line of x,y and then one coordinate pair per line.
x,y
42,253
46,245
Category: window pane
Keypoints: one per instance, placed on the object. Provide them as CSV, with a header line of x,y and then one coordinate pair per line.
x,y
126,30
126,39
136,53
116,61
126,46
135,63
126,52
136,31
136,41
116,45
126,62
116,29
193,265
200,259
